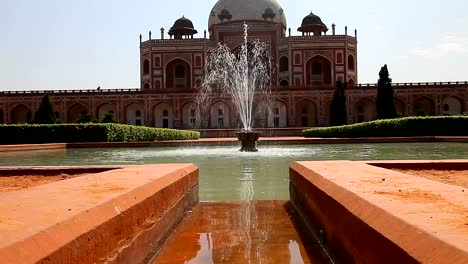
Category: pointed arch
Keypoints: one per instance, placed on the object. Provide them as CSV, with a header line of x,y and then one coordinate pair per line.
x,y
178,73
135,114
163,115
220,115
284,82
424,106
318,70
452,105
190,115
339,58
21,114
146,67
105,108
400,106
351,62
284,64
277,115
306,113
364,110
75,111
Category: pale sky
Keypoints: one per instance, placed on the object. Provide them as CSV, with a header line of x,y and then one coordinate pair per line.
x,y
82,44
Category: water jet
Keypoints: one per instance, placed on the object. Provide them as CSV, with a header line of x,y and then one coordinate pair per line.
x,y
243,75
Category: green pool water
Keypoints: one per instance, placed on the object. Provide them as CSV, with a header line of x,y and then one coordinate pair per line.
x,y
229,175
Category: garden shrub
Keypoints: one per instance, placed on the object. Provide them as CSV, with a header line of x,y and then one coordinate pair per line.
x,y
68,133
399,127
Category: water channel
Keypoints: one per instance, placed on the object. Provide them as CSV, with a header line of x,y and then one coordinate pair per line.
x,y
229,175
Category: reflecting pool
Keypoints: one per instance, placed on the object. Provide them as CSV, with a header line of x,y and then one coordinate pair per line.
x,y
229,175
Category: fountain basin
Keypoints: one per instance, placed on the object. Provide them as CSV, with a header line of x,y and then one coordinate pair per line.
x,y
248,140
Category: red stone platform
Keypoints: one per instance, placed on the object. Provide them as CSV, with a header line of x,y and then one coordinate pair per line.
x,y
370,214
117,216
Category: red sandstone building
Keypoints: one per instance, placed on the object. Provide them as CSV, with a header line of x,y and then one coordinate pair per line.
x,y
305,69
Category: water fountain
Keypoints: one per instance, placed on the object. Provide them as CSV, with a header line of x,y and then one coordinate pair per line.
x,y
243,77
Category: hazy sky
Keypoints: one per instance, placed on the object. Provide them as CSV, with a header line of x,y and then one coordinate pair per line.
x,y
80,44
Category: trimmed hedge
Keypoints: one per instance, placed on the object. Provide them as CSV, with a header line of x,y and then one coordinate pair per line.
x,y
400,127
70,133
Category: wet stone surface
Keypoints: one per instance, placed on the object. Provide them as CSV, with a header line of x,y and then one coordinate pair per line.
x,y
241,232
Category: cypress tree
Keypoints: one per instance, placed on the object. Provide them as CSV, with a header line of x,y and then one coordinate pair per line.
x,y
385,103
45,114
338,105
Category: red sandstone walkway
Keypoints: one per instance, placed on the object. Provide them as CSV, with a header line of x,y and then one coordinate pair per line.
x,y
241,232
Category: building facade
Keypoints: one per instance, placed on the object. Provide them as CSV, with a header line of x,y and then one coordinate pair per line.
x,y
305,68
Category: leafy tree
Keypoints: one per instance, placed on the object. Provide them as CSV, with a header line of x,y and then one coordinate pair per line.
x,y
109,118
45,114
87,118
338,105
385,103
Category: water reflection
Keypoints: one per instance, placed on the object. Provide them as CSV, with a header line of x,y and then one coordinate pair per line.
x,y
205,253
295,253
240,232
247,191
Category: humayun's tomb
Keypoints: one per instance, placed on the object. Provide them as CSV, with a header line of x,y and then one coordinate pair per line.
x,y
305,69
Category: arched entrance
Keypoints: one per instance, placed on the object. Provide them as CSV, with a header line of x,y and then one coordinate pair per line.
x,y
21,114
277,115
284,64
163,116
190,115
135,114
104,109
452,106
219,114
75,111
318,71
306,114
178,74
364,110
400,106
424,106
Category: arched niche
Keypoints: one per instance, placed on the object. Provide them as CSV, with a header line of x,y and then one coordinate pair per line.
x,y
163,115
178,74
75,111
21,114
190,115
452,106
105,108
135,114
364,110
277,115
424,106
306,114
219,115
318,71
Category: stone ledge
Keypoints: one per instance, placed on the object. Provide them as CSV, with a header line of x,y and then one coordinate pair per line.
x,y
117,216
374,215
25,147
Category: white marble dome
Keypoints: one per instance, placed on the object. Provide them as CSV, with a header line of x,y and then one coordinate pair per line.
x,y
247,10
